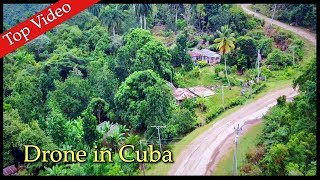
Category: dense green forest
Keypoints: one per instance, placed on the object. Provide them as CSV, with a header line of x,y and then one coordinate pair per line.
x,y
304,15
112,64
13,14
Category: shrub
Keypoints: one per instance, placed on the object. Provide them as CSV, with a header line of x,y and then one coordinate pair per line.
x,y
181,24
189,104
202,63
281,36
211,39
212,47
256,154
266,72
289,72
205,37
265,46
237,101
233,81
196,72
281,100
234,69
256,34
192,43
278,59
298,45
218,69
214,112
167,33
258,88
201,104
183,119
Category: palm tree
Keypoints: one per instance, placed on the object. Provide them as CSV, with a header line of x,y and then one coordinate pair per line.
x,y
187,12
200,9
142,10
225,43
175,7
95,9
132,140
55,170
154,13
116,139
112,17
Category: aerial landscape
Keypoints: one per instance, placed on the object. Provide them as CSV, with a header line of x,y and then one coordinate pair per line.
x,y
191,89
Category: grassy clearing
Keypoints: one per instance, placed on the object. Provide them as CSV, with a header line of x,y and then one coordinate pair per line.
x,y
206,77
246,143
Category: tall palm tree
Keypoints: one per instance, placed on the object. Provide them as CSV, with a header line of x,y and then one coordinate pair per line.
x,y
187,12
201,13
142,10
116,139
112,17
95,9
155,12
175,7
225,43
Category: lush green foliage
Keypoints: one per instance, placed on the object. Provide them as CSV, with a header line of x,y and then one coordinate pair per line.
x,y
289,133
143,100
111,64
180,58
278,59
296,14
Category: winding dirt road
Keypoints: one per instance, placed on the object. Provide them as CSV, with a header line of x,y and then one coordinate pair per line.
x,y
203,154
304,33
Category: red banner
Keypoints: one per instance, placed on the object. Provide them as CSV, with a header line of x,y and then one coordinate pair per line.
x,y
40,23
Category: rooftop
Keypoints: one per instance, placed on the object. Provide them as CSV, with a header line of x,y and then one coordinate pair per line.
x,y
203,52
183,93
10,170
201,91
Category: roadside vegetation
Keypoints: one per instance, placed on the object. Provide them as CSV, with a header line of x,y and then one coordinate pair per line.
x,y
111,64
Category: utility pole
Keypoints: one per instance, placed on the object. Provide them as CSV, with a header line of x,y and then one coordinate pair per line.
x,y
274,11
258,59
142,165
158,128
293,55
222,93
234,168
292,48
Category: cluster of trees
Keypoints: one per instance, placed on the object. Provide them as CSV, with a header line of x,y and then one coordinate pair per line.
x,y
288,142
296,14
14,14
278,50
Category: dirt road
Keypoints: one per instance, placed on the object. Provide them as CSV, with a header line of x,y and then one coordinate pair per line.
x,y
300,31
203,154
